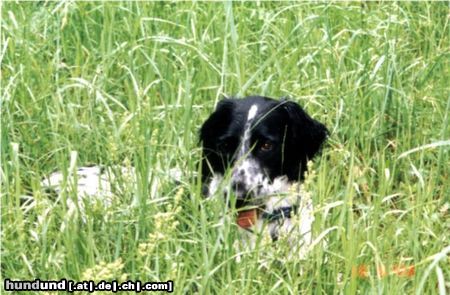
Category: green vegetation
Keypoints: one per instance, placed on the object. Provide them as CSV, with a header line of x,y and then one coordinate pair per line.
x,y
129,83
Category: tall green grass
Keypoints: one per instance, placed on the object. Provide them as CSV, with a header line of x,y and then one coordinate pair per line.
x,y
129,83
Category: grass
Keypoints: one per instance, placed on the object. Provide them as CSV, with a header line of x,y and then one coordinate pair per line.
x,y
128,83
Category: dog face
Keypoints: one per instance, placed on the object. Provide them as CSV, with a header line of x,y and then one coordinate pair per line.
x,y
261,140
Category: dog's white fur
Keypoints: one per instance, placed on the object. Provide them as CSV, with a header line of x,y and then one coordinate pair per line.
x,y
296,230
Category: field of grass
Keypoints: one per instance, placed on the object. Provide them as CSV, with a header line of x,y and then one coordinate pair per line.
x,y
128,83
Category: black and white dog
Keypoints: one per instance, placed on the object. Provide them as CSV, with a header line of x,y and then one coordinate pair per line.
x,y
261,147
258,145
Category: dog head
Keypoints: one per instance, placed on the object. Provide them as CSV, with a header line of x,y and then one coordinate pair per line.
x,y
261,140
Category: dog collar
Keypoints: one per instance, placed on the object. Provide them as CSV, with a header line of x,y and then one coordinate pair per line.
x,y
279,213
247,218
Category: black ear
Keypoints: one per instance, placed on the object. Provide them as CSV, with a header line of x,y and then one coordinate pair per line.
x,y
308,133
307,136
217,122
215,125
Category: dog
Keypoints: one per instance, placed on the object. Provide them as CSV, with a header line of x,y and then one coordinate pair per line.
x,y
263,144
261,147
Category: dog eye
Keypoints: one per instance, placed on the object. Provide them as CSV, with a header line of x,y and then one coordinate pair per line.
x,y
266,146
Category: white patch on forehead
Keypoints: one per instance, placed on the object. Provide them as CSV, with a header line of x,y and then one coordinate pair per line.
x,y
245,141
252,112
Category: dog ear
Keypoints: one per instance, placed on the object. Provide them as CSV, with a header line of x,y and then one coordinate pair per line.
x,y
308,134
216,124
217,121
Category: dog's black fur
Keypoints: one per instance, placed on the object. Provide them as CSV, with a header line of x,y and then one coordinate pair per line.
x,y
283,137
